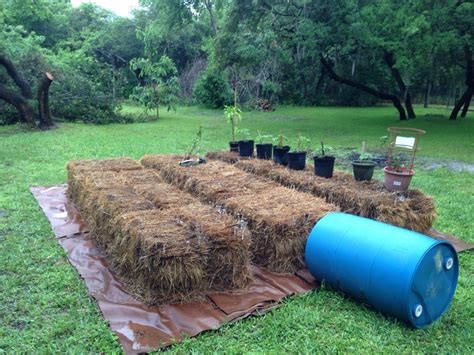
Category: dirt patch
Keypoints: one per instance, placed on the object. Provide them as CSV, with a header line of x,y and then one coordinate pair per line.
x,y
279,218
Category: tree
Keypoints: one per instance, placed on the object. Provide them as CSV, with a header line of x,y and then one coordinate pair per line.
x,y
161,85
20,100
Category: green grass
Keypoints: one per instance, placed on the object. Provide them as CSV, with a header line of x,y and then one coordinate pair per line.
x,y
44,306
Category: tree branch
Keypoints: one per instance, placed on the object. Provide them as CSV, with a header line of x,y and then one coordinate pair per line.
x,y
328,65
17,78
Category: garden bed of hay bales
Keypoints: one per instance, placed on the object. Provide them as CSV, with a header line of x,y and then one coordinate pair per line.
x,y
411,209
278,218
165,244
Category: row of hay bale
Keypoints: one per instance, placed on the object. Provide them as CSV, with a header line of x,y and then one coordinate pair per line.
x,y
279,218
165,244
412,209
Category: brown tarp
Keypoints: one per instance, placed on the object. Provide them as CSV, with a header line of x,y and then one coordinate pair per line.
x,y
141,328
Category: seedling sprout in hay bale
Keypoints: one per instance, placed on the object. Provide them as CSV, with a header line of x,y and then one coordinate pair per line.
x,y
411,209
279,218
166,245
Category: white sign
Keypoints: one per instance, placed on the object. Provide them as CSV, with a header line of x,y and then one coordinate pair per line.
x,y
405,142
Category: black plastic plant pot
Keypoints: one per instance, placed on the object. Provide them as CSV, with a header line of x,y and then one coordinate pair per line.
x,y
280,154
324,166
234,146
245,148
363,170
264,151
297,160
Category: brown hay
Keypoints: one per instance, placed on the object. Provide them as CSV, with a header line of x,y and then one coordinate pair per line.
x,y
412,209
162,242
279,218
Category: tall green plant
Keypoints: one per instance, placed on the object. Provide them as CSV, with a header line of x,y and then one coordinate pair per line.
x,y
233,115
160,87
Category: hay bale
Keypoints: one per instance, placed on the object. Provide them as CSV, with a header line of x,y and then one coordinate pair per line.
x,y
77,169
412,209
164,244
279,218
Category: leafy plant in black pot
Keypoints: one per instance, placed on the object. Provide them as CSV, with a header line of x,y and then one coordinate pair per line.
x,y
297,158
324,164
264,150
233,115
363,168
280,151
245,144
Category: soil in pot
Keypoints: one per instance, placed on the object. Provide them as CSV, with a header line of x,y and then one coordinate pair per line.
x,y
246,148
280,154
297,160
397,180
324,166
234,146
363,170
264,151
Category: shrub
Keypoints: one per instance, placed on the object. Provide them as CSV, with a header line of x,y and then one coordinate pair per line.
x,y
212,89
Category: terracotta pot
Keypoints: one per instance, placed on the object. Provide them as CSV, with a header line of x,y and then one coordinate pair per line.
x,y
397,180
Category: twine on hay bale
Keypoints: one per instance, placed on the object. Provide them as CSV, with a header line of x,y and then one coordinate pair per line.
x,y
411,209
279,218
166,245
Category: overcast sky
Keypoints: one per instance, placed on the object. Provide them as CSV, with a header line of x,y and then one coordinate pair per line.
x,y
120,7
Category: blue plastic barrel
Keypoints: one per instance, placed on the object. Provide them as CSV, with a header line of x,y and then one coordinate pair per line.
x,y
396,271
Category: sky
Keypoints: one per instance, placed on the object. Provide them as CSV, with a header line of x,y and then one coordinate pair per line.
x,y
120,7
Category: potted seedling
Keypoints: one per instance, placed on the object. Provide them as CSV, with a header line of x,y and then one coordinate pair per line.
x,y
297,158
363,167
402,148
324,164
264,150
245,144
397,175
233,115
280,151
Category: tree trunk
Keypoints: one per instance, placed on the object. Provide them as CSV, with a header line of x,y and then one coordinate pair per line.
x,y
212,18
389,59
45,119
328,66
19,81
320,81
466,105
27,114
460,103
467,96
426,100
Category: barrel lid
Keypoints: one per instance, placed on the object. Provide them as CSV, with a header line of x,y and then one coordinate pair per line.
x,y
433,284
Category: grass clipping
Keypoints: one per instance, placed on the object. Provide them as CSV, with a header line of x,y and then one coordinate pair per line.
x,y
278,218
411,209
163,243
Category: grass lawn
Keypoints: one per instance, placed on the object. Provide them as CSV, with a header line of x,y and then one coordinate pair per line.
x,y
44,306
